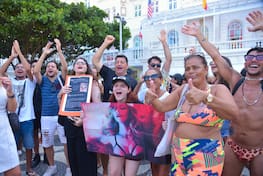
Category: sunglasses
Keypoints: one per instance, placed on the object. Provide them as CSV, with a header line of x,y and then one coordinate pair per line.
x,y
151,77
199,54
155,65
251,57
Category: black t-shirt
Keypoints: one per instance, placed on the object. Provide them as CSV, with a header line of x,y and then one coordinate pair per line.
x,y
37,101
107,74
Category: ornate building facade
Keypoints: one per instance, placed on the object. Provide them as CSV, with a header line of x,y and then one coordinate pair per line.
x,y
223,23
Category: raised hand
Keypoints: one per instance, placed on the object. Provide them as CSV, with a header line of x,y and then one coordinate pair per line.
x,y
255,18
191,29
58,44
47,49
13,53
162,36
109,39
195,95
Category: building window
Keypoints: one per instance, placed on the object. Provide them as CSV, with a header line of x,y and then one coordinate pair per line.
x,y
138,47
235,31
155,6
138,10
123,11
172,4
172,38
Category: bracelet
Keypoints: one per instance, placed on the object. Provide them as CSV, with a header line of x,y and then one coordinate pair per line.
x,y
203,40
12,96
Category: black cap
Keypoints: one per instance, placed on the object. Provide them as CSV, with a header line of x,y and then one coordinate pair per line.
x,y
124,79
178,77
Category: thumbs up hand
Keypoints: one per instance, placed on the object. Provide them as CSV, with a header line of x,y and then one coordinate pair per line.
x,y
195,95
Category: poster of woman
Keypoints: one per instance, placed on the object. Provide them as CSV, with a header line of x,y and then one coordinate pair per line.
x,y
122,129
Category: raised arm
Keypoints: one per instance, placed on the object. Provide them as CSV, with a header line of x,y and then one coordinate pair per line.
x,y
96,59
37,69
255,18
23,60
4,67
167,52
230,75
64,65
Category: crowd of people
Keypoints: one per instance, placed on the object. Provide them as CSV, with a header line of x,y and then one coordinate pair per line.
x,y
218,123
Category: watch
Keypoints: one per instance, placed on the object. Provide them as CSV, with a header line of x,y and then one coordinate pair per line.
x,y
209,98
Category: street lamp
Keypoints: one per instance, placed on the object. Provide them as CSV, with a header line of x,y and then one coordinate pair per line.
x,y
121,21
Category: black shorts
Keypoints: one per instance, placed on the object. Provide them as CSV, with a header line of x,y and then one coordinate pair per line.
x,y
37,124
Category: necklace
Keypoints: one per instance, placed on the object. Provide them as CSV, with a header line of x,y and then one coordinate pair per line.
x,y
249,102
247,78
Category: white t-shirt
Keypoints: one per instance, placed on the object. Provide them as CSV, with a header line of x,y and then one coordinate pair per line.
x,y
27,109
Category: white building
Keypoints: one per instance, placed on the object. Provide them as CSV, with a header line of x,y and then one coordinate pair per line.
x,y
223,23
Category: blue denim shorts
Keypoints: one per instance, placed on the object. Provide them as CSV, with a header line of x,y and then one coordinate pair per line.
x,y
26,133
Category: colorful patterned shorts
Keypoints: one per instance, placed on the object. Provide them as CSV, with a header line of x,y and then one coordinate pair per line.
x,y
197,157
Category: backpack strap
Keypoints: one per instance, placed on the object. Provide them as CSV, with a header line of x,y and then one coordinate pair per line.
x,y
238,84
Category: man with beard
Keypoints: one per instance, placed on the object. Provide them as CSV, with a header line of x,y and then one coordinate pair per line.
x,y
245,146
23,88
50,85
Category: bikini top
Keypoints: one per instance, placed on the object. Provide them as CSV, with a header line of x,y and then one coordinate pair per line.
x,y
204,116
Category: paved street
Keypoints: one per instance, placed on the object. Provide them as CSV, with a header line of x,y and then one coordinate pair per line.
x,y
144,169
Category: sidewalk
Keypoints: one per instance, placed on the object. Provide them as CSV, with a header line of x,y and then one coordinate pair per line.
x,y
144,169
60,162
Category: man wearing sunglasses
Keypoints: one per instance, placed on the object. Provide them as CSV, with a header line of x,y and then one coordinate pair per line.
x,y
245,146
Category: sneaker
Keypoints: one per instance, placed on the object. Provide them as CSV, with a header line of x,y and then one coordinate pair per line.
x,y
45,159
32,173
68,172
35,161
51,170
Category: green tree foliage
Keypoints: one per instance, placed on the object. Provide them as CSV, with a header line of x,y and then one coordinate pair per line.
x,y
34,22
